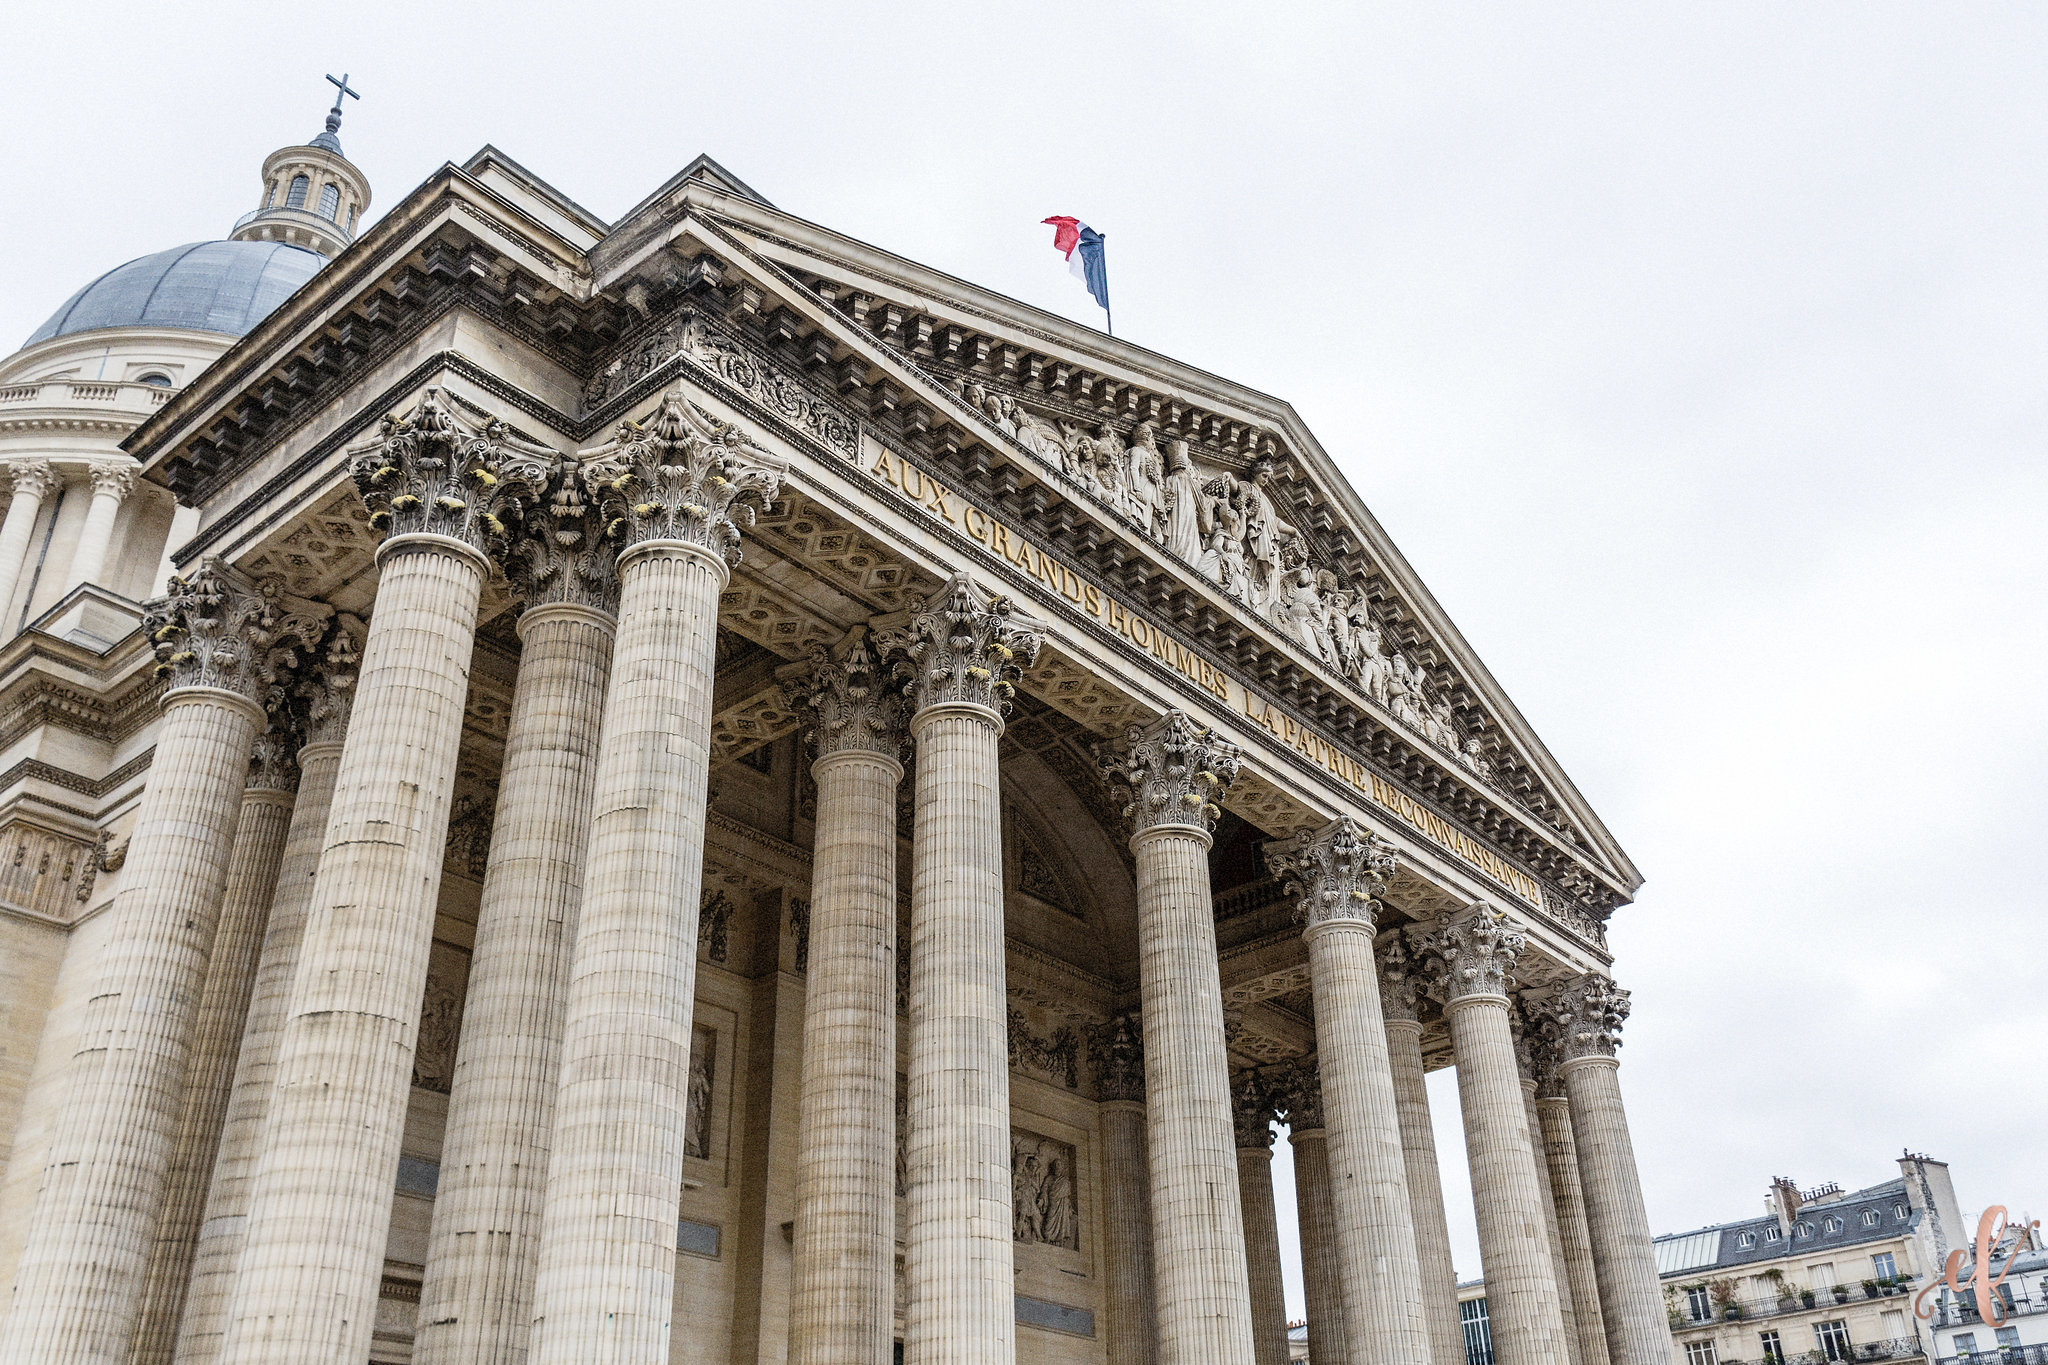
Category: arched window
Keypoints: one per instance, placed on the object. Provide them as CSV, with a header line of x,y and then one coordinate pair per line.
x,y
1746,1240
351,217
296,197
161,380
330,201
1832,1225
1870,1218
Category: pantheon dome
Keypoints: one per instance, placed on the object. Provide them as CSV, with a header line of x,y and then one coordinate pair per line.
x,y
85,537
225,287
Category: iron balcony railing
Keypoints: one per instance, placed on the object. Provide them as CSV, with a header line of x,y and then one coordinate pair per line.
x,y
2036,1354
1963,1312
1777,1307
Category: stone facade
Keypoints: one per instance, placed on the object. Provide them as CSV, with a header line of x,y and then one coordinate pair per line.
x,y
829,811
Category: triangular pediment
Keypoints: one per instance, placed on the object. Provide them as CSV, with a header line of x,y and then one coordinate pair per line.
x,y
1113,420
1208,503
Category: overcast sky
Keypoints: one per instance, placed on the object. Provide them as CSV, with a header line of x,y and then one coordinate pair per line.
x,y
1693,354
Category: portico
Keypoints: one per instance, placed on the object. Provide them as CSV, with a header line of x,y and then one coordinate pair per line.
x,y
794,701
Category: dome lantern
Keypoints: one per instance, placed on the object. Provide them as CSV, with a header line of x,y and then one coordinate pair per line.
x,y
313,196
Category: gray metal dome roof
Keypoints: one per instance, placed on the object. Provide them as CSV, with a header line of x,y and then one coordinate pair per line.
x,y
207,286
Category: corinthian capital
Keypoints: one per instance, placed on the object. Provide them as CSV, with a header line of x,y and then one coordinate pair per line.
x,y
274,763
114,478
847,689
562,555
1299,1092
1117,1052
961,645
1172,772
34,477
329,687
1585,1018
221,628
1402,983
681,475
432,472
1473,953
1334,873
1251,1111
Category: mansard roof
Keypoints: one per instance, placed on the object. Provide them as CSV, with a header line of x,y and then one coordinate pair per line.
x,y
877,343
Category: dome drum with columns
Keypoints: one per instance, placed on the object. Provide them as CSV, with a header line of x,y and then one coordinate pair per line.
x,y
831,810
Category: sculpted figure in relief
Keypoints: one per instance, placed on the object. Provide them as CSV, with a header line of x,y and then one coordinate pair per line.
x,y
1189,516
1146,469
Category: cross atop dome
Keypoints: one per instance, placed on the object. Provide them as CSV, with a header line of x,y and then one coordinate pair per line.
x,y
330,139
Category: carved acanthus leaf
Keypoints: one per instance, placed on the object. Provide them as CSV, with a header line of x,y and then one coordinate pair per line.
x,y
1116,1051
329,688
1585,1017
1252,1110
1172,772
221,628
432,472
961,645
1334,873
847,691
562,557
1473,953
681,475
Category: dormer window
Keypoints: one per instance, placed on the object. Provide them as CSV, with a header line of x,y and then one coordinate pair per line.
x,y
330,201
1746,1240
1901,1212
295,198
1870,1218
1772,1234
1832,1225
1806,1229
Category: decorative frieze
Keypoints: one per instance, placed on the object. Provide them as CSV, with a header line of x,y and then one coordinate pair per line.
x,y
1585,1017
1056,1058
1334,873
962,646
682,475
1173,773
847,690
433,472
1473,953
221,628
1116,1053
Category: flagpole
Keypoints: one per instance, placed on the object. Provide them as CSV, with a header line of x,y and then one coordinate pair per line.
x,y
1108,316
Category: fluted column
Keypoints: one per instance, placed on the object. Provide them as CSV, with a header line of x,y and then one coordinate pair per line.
x,y
222,640
1554,1250
112,482
1322,1270
1335,874
320,1207
1401,986
1117,1049
1175,772
260,834
1252,1114
476,1305
34,481
670,490
1473,954
324,699
1586,1019
963,650
1561,1162
843,1261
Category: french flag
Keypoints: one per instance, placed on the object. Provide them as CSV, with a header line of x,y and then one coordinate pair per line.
x,y
1082,246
